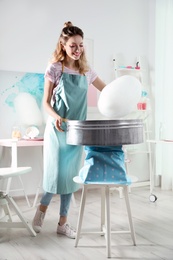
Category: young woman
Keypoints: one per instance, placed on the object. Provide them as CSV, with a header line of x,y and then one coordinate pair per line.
x,y
67,78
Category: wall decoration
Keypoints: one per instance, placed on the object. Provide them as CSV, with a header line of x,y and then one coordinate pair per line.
x,y
12,86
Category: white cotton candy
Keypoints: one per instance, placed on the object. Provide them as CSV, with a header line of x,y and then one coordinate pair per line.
x,y
120,97
27,110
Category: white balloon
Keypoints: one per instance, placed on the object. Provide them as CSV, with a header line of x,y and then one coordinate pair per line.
x,y
120,97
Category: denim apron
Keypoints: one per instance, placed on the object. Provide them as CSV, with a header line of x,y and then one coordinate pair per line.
x,y
62,162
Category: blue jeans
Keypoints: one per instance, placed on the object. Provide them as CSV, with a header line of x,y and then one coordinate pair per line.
x,y
64,199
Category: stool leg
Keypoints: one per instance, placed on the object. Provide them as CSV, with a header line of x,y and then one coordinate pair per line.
x,y
73,200
108,226
126,195
7,191
20,215
81,212
37,194
102,208
9,180
5,206
26,197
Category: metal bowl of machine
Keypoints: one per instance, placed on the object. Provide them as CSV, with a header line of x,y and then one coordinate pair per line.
x,y
105,132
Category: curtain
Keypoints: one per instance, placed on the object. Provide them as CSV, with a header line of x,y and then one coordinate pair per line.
x,y
164,91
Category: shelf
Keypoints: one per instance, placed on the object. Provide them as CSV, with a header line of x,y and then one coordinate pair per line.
x,y
132,72
128,69
142,74
139,114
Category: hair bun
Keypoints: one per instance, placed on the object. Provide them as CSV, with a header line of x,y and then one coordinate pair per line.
x,y
68,24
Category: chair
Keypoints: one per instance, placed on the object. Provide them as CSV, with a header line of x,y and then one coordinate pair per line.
x,y
105,211
6,200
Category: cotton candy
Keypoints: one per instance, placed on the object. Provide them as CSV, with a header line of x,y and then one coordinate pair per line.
x,y
27,110
120,97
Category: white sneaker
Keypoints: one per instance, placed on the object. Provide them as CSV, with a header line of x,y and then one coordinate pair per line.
x,y
66,230
38,220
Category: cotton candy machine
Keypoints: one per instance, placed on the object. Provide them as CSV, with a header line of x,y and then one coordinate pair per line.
x,y
104,132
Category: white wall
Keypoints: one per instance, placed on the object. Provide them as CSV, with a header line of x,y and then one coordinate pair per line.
x,y
29,31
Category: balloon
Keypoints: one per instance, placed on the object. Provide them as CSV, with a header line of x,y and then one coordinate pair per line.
x,y
120,97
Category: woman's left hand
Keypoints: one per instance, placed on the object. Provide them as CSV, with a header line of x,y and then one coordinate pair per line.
x,y
58,124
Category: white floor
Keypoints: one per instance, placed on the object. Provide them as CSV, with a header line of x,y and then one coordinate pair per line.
x,y
153,225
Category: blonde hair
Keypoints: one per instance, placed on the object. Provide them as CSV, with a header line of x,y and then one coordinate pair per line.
x,y
59,54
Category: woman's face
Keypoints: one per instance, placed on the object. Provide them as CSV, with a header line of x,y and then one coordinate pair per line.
x,y
74,47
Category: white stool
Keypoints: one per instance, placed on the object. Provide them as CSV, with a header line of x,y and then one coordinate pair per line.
x,y
5,200
105,212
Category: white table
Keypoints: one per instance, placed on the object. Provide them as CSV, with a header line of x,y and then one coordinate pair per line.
x,y
14,144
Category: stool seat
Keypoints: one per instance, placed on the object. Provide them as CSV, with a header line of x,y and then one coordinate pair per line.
x,y
105,211
5,200
12,172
